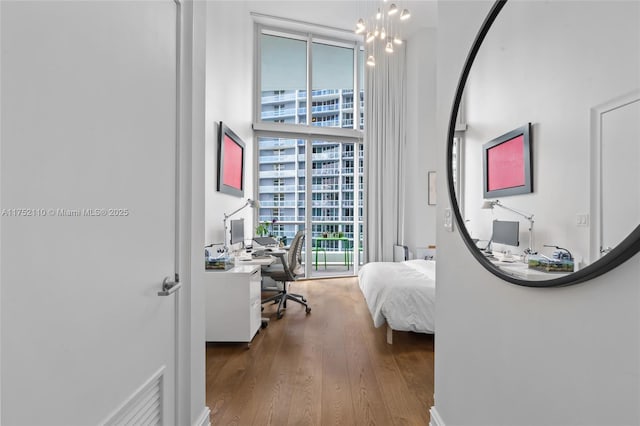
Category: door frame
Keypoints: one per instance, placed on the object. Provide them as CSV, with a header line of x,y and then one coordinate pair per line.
x,y
596,117
191,407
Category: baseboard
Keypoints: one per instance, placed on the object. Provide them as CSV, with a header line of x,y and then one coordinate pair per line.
x,y
436,420
204,419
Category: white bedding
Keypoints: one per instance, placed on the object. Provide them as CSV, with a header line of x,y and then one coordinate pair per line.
x,y
402,294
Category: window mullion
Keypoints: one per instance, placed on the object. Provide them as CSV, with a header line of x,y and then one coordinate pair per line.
x,y
309,78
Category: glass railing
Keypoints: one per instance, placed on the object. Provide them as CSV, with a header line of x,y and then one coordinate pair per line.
x,y
279,219
286,112
325,156
325,203
280,143
278,98
322,172
277,159
328,123
277,188
269,204
276,173
326,187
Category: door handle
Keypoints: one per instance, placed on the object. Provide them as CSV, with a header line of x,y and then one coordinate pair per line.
x,y
169,287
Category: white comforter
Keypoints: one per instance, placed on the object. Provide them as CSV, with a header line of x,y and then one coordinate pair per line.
x,y
401,293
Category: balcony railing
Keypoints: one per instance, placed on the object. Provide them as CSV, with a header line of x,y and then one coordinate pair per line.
x,y
265,189
270,204
278,143
350,186
278,113
325,156
277,158
349,170
278,98
276,173
350,154
329,171
329,123
325,187
325,203
350,203
280,219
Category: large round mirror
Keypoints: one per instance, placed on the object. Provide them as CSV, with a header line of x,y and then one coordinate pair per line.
x,y
544,141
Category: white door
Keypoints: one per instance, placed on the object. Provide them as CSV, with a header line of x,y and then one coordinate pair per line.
x,y
620,172
87,195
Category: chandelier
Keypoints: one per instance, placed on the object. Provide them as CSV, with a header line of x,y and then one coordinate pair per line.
x,y
383,26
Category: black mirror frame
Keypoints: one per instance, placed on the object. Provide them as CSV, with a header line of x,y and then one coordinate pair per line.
x,y
620,254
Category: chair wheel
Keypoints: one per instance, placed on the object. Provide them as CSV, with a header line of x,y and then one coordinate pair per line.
x,y
308,310
279,315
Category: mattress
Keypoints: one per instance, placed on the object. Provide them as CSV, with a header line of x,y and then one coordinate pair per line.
x,y
401,294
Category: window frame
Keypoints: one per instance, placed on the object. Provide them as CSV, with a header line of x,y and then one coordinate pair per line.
x,y
353,134
307,131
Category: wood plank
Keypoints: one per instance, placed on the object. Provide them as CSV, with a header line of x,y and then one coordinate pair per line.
x,y
336,403
304,408
403,405
276,391
329,368
234,401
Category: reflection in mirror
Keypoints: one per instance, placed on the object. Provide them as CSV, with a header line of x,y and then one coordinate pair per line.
x,y
572,70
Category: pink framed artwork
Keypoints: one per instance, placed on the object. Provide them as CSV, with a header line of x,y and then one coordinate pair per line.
x,y
507,164
230,162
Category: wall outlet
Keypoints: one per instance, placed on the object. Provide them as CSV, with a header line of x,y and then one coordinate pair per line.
x,y
582,220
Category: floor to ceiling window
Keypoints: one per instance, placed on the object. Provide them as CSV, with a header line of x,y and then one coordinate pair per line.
x,y
310,151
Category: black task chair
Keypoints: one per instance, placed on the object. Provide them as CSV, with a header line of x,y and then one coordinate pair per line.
x,y
290,270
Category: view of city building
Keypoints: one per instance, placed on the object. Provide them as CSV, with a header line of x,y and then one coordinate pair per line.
x,y
336,178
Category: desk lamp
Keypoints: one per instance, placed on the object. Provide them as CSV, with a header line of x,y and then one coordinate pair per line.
x,y
254,204
491,204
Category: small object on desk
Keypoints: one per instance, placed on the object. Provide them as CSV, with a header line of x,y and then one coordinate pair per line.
x,y
222,263
547,264
265,241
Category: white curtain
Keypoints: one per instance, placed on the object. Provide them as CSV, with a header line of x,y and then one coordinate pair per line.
x,y
385,140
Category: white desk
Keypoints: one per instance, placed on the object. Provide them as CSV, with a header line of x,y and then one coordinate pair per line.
x,y
233,304
269,258
266,261
522,271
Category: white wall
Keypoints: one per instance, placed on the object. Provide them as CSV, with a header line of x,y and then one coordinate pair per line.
x,y
229,98
537,66
421,139
509,355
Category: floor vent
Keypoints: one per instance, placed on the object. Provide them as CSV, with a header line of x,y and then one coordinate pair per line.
x,y
144,407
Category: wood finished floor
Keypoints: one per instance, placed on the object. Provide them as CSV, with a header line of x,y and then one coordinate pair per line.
x,y
329,368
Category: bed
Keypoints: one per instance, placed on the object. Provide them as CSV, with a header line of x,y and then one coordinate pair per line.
x,y
400,294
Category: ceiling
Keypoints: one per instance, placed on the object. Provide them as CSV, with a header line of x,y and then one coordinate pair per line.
x,y
344,14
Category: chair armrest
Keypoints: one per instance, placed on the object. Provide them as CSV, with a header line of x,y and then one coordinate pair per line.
x,y
281,256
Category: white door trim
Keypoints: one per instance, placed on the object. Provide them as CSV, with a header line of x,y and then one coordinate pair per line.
x,y
597,113
190,395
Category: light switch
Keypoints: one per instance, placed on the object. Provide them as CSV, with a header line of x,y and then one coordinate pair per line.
x,y
448,219
582,220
